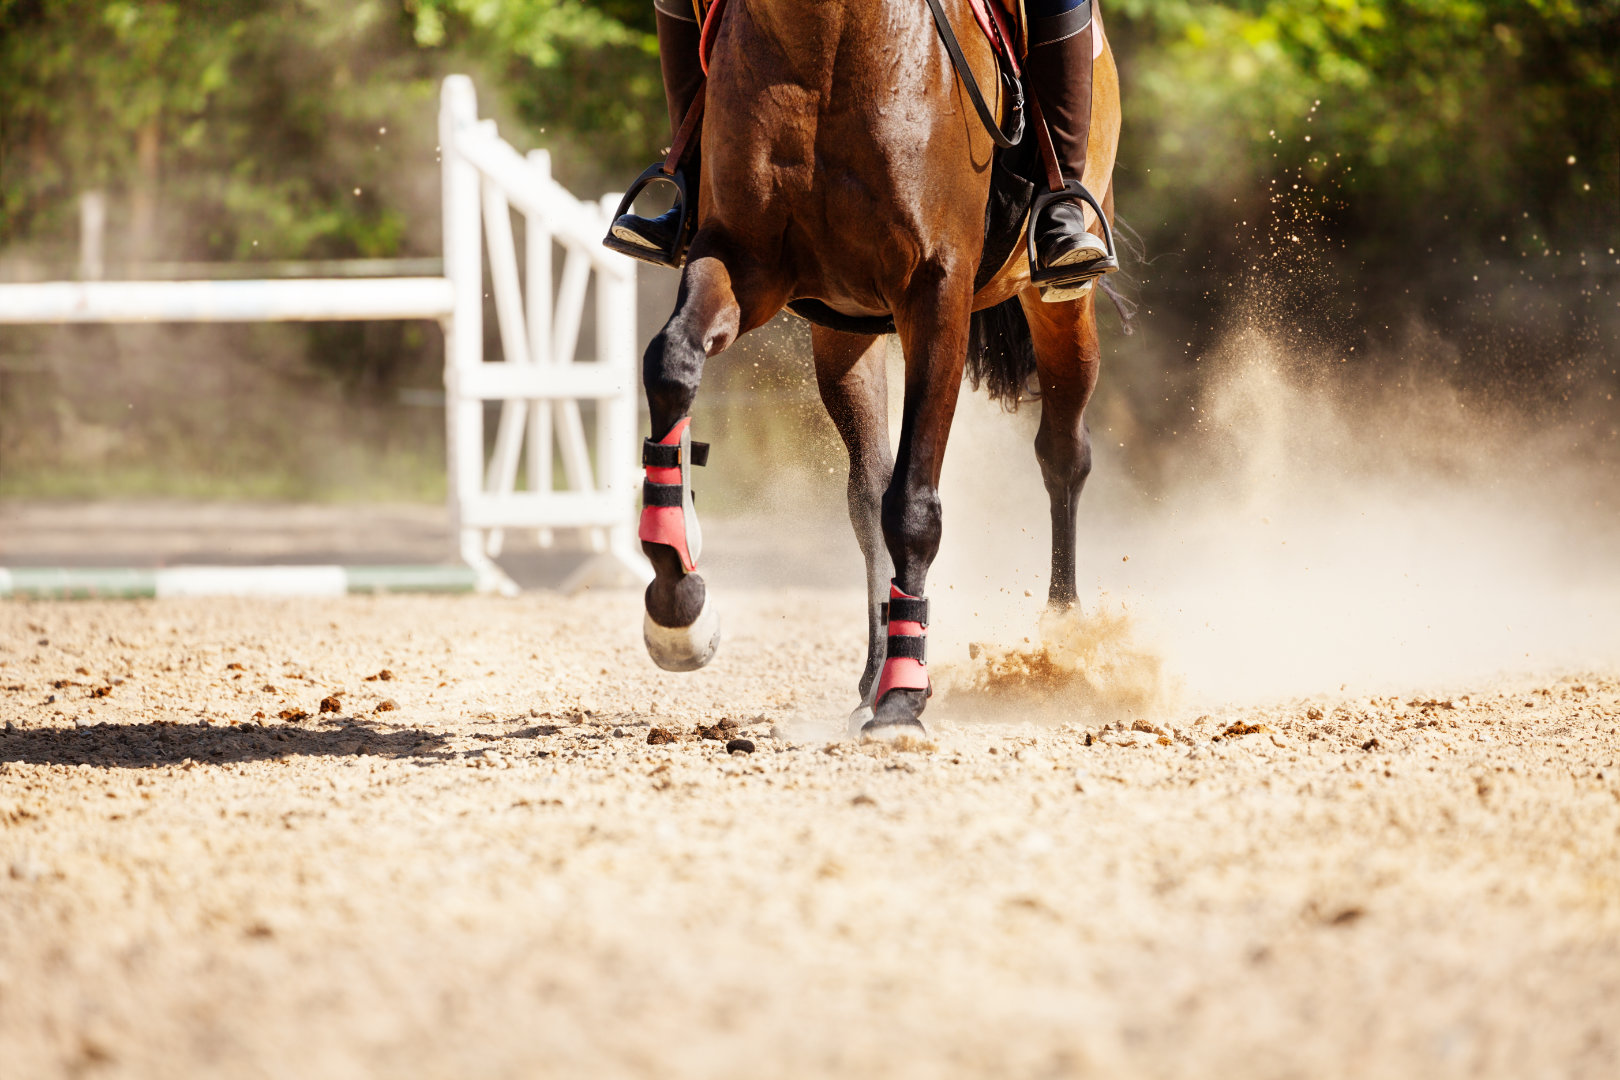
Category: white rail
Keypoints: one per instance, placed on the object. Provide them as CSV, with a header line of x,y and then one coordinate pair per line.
x,y
539,380
304,299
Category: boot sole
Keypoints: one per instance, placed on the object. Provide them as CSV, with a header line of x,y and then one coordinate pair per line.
x,y
630,236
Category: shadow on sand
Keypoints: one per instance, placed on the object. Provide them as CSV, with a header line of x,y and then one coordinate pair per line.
x,y
137,746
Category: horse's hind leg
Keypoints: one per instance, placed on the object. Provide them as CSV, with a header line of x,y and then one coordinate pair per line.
x,y
1067,358
854,386
682,630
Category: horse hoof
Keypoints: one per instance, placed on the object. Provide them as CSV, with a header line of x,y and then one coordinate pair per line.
x,y
684,648
893,731
858,720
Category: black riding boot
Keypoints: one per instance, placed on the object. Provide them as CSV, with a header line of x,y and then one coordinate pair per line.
x,y
1058,72
658,240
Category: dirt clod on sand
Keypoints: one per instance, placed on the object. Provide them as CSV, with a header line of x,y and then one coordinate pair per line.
x,y
292,716
661,737
386,705
1241,728
723,731
332,703
382,676
740,746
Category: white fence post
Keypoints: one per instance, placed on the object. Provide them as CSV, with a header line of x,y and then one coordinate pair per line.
x,y
464,330
540,380
537,241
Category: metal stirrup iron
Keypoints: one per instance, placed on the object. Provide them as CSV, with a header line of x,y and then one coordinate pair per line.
x,y
668,171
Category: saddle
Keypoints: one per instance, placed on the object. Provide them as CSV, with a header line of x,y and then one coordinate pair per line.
x,y
1001,21
1016,170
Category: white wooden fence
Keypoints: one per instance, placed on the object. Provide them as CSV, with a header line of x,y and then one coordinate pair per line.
x,y
539,379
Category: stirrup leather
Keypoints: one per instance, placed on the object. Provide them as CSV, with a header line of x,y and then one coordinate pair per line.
x,y
1045,276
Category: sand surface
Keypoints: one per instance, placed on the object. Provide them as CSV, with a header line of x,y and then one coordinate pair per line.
x,y
203,873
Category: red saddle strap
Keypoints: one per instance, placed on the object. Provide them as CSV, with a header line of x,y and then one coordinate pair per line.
x,y
711,27
991,20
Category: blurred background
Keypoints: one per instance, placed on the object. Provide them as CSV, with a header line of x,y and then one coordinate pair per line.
x,y
1387,190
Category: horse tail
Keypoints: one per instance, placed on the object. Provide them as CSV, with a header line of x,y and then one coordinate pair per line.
x,y
1001,351
1124,306
1130,241
1001,354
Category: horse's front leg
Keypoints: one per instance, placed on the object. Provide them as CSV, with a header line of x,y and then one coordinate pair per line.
x,y
682,629
932,320
854,386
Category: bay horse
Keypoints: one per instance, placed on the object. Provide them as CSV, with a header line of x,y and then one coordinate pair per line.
x,y
843,162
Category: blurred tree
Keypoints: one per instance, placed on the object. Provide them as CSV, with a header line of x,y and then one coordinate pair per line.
x,y
1421,112
291,128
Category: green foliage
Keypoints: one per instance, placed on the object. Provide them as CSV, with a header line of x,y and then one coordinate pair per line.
x,y
1420,109
289,128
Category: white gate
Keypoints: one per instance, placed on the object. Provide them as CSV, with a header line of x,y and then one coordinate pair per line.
x,y
539,381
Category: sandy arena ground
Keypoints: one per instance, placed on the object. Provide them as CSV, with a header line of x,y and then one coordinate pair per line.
x,y
479,865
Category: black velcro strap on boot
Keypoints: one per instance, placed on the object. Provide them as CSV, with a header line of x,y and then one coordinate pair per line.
x,y
660,494
658,455
908,647
906,609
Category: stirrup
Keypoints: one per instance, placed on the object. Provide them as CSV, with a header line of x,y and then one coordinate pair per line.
x,y
1070,280
675,256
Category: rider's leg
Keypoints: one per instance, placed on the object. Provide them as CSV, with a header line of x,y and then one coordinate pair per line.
x,y
1059,67
678,34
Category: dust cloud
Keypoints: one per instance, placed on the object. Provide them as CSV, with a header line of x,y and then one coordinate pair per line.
x,y
1305,533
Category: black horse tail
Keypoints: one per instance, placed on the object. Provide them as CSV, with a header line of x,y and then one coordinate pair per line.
x,y
1001,354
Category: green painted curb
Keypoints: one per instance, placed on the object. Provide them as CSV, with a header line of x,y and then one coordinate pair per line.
x,y
75,584
433,579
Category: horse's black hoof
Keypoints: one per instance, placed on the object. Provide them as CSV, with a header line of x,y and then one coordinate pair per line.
x,y
896,717
684,648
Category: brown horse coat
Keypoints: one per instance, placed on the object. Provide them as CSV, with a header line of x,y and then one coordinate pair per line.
x,y
843,161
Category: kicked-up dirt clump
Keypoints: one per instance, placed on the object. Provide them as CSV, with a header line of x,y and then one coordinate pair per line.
x,y
1093,662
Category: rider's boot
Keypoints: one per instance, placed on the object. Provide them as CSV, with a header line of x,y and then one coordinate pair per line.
x,y
658,239
1059,70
